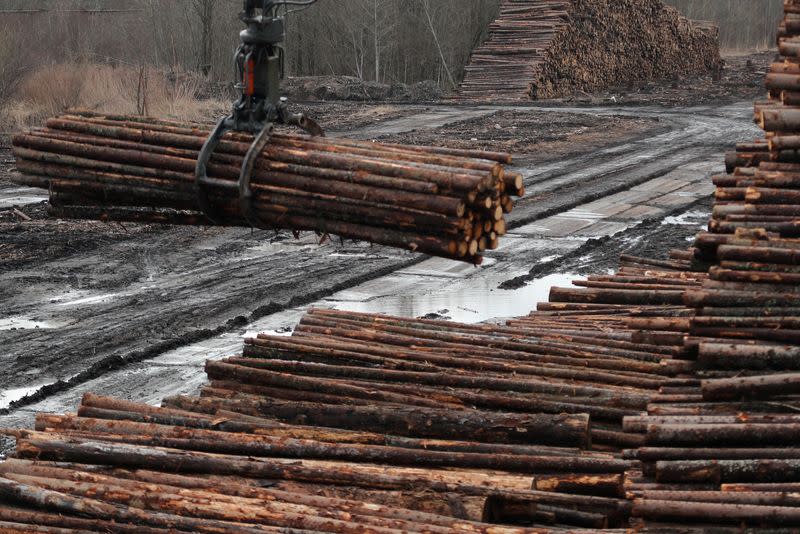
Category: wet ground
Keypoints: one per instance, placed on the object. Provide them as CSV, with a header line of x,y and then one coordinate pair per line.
x,y
530,135
349,116
134,310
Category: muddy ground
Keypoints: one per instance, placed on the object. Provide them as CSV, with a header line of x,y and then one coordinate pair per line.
x,y
133,310
538,136
348,116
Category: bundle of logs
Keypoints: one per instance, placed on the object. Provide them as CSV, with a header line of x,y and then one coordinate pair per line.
x,y
444,202
557,48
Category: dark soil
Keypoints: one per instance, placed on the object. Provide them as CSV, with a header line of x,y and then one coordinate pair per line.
x,y
26,242
348,88
650,239
539,135
345,116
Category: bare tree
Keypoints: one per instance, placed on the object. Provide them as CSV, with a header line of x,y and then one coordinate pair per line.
x,y
204,9
426,7
388,40
383,22
11,63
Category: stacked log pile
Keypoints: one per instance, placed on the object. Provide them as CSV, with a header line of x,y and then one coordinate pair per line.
x,y
444,202
511,425
556,48
206,470
504,66
723,449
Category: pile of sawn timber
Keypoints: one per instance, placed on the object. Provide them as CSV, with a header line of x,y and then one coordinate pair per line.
x,y
556,48
445,202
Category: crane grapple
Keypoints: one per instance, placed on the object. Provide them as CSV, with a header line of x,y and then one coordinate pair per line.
x,y
259,68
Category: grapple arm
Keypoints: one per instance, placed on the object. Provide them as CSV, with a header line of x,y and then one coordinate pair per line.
x,y
259,67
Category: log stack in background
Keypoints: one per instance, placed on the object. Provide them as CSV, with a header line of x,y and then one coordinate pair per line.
x,y
557,48
504,67
444,202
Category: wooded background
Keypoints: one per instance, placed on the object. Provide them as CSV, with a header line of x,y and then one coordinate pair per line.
x,y
744,24
390,41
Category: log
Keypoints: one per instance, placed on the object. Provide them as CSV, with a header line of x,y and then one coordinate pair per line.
x,y
715,512
268,446
727,471
731,435
752,387
561,430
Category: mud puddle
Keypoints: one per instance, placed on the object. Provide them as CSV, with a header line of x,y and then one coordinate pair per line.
x,y
10,198
13,395
479,301
24,323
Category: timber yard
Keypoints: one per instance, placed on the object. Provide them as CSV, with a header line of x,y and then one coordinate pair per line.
x,y
552,290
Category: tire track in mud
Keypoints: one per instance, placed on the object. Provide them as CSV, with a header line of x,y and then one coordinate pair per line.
x,y
609,248
692,136
234,280
117,361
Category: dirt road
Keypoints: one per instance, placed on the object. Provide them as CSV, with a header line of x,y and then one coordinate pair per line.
x,y
133,311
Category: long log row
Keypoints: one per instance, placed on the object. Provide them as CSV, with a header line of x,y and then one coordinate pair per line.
x,y
444,202
556,48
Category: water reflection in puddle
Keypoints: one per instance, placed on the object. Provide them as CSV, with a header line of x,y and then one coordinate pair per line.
x,y
22,323
282,332
23,200
12,395
481,300
689,218
95,299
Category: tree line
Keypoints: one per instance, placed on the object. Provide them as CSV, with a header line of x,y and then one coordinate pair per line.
x,y
386,40
744,24
389,41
